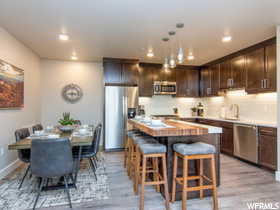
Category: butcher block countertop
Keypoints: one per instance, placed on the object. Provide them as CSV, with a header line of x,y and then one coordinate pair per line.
x,y
174,128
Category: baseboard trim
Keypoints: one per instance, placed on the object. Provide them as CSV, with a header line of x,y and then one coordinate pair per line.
x,y
277,176
9,168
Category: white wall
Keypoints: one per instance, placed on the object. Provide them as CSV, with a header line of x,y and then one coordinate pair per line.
x,y
157,105
278,98
14,52
259,107
57,74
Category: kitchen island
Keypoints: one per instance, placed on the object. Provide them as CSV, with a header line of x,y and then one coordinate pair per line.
x,y
176,131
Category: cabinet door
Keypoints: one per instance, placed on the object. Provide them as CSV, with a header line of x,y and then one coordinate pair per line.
x,y
255,71
268,151
192,83
130,73
205,82
225,74
215,80
270,74
112,72
227,141
238,72
145,81
167,75
181,80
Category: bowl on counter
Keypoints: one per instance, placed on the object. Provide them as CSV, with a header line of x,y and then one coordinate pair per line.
x,y
66,128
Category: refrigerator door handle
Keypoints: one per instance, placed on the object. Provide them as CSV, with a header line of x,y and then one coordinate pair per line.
x,y
125,112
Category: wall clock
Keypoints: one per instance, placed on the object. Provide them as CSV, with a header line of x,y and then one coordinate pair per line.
x,y
72,93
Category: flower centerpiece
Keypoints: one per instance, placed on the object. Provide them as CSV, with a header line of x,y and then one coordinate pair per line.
x,y
67,123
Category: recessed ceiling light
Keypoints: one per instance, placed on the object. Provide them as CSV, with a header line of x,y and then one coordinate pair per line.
x,y
190,56
63,37
226,39
74,57
150,54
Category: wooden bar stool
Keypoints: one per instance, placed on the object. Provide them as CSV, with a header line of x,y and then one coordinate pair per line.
x,y
195,151
154,152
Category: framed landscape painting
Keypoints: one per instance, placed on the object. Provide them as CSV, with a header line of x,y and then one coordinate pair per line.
x,y
11,86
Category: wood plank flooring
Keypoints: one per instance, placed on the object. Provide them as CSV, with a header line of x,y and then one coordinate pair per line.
x,y
240,183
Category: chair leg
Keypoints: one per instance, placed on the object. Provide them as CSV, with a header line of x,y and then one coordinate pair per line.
x,y
155,173
143,183
40,186
26,171
185,183
94,162
200,177
73,181
137,172
213,173
67,190
93,168
175,162
166,192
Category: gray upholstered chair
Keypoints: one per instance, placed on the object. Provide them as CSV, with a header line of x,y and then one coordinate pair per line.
x,y
23,154
52,158
90,152
37,127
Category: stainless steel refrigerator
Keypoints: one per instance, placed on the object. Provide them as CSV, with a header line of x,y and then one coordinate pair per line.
x,y
120,104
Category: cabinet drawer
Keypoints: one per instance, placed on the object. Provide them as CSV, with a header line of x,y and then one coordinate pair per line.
x,y
267,131
226,124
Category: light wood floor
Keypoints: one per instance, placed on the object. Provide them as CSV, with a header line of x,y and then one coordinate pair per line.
x,y
240,183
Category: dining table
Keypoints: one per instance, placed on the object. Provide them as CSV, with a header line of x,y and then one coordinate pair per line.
x,y
76,139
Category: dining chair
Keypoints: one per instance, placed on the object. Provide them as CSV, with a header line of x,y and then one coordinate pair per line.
x,y
37,127
90,152
51,158
23,154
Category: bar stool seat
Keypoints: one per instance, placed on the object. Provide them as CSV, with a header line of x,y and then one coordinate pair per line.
x,y
144,140
198,148
152,148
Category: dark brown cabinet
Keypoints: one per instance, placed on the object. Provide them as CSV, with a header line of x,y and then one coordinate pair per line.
x,y
270,68
268,147
120,71
232,73
146,80
225,74
227,138
255,69
209,81
187,82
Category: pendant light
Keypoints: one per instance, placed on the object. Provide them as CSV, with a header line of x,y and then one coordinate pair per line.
x,y
172,60
166,61
180,56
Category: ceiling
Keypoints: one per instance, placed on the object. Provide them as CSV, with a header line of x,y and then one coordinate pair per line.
x,y
128,28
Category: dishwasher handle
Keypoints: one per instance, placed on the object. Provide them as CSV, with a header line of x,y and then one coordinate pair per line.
x,y
246,126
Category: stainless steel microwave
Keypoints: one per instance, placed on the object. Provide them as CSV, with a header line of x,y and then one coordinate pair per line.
x,y
165,88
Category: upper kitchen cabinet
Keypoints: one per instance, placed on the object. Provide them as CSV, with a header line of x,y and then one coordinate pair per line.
x,y
120,71
187,82
167,75
255,69
261,69
238,76
225,74
146,79
270,67
209,81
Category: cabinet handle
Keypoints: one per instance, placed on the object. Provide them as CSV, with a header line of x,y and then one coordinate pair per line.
x,y
266,83
262,83
231,82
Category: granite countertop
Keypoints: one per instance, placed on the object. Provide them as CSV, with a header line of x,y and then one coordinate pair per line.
x,y
241,121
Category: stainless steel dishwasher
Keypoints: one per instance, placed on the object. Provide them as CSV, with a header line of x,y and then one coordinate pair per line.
x,y
246,142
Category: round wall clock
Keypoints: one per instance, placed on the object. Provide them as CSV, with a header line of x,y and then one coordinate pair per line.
x,y
72,93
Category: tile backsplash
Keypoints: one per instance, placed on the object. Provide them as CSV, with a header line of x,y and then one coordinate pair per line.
x,y
262,107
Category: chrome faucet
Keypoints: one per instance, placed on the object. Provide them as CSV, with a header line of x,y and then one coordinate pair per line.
x,y
234,108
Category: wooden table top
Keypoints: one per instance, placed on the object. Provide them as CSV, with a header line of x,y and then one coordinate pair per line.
x,y
178,129
75,141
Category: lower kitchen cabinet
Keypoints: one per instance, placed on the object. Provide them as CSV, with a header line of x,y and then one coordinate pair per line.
x,y
227,138
268,147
